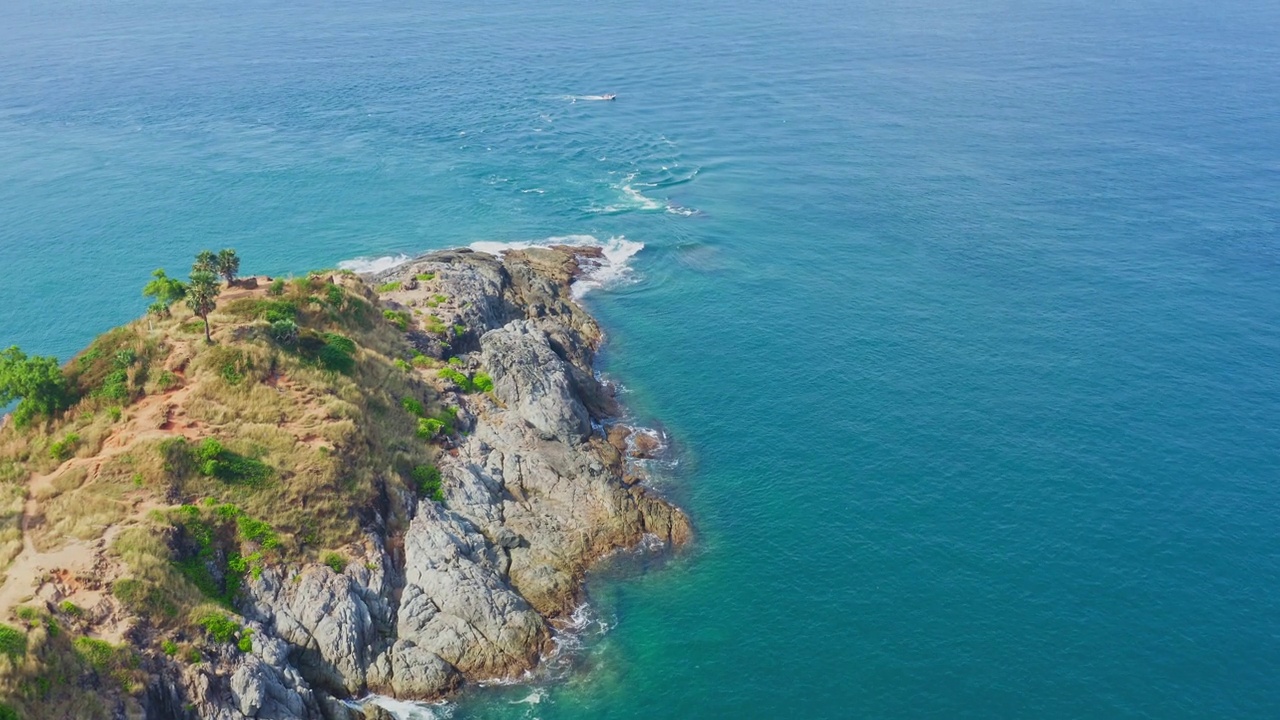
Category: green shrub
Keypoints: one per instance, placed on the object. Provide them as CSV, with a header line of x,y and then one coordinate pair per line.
x,y
115,413
276,289
36,382
69,608
424,277
246,641
193,656
166,380
64,448
389,287
284,332
220,627
100,654
334,295
398,318
430,427
414,406
402,365
28,614
169,647
231,374
257,531
13,642
420,360
207,454
214,460
427,479
455,377
336,562
338,353
481,383
455,361
435,325
8,713
115,386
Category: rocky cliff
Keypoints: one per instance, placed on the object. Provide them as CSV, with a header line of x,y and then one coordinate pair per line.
x,y
429,514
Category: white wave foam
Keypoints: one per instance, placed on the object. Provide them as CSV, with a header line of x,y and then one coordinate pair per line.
x,y
406,710
613,269
532,698
637,197
369,266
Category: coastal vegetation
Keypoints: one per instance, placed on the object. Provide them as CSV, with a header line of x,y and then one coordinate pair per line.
x,y
327,461
261,445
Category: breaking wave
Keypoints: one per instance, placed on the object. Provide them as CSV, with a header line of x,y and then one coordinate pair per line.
x,y
407,710
370,266
612,269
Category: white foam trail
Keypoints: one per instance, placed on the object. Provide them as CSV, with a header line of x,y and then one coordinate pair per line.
x,y
370,266
532,698
587,97
609,271
405,710
637,197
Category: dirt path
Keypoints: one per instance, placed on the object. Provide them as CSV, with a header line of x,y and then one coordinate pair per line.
x,y
152,418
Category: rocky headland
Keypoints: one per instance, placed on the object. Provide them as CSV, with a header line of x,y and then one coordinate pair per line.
x,y
385,485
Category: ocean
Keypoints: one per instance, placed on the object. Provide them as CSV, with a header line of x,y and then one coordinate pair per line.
x,y
962,318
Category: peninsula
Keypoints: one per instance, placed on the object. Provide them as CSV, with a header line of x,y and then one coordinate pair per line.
x,y
271,498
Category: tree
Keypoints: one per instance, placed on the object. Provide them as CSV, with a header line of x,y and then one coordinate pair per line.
x,y
36,382
202,297
165,290
228,265
206,261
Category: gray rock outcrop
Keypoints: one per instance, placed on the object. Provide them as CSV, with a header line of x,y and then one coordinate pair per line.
x,y
534,494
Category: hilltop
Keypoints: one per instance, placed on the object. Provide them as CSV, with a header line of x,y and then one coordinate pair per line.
x,y
358,485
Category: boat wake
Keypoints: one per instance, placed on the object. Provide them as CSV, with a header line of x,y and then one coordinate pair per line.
x,y
633,198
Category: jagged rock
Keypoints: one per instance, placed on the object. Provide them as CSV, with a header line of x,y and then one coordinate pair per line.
x,y
420,673
456,603
530,378
533,496
323,615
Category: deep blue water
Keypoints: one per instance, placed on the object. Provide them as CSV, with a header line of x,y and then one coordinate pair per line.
x,y
964,316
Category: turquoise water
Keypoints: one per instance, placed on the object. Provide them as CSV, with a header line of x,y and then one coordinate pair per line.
x,y
964,317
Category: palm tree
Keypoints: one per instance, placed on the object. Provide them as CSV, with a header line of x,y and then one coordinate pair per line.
x,y
202,297
206,261
228,264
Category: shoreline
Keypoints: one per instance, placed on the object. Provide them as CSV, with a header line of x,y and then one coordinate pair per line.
x,y
475,372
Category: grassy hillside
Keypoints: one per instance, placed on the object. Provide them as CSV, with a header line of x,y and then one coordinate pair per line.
x,y
183,467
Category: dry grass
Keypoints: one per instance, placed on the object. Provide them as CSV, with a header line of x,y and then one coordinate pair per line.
x,y
339,448
55,679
